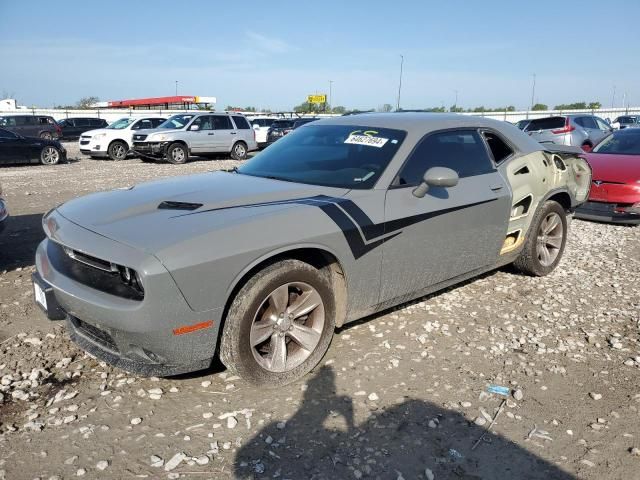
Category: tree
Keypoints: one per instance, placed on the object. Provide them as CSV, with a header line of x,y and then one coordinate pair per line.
x,y
456,109
595,105
87,102
386,108
339,109
571,106
304,107
540,106
435,109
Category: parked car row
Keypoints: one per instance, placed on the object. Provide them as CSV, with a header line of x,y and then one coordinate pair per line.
x,y
574,130
115,141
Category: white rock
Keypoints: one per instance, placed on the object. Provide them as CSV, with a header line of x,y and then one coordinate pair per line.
x,y
429,474
373,397
176,460
232,422
80,472
518,395
202,460
136,421
156,461
206,383
595,396
102,465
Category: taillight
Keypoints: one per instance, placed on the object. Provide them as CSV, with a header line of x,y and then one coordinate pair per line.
x,y
567,128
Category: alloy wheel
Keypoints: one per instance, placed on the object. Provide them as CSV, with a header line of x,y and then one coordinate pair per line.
x,y
549,241
287,327
50,156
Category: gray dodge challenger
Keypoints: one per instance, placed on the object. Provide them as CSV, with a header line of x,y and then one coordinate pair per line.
x,y
341,218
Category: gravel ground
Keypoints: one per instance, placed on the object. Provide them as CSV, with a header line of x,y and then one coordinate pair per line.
x,y
399,395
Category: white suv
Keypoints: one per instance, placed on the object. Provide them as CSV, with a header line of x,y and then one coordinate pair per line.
x,y
198,134
261,126
116,140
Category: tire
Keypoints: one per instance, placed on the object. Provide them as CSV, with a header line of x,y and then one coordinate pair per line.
x,y
252,313
177,154
46,136
239,151
117,150
49,155
532,260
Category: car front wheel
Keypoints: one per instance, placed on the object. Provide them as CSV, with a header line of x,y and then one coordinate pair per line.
x,y
118,151
545,243
280,324
177,154
49,156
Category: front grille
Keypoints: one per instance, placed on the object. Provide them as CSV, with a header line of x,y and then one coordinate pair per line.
x,y
94,333
92,276
140,137
141,146
84,142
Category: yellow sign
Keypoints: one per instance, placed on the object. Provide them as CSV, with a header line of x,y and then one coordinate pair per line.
x,y
317,98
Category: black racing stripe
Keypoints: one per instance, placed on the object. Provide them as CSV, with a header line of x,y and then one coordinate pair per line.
x,y
361,234
393,225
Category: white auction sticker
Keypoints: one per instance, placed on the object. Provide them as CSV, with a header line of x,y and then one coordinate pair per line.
x,y
367,140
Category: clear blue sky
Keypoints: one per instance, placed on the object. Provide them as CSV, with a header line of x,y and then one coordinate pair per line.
x,y
272,53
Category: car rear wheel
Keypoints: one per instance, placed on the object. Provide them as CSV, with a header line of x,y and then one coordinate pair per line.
x,y
49,156
46,136
280,324
177,153
118,151
239,151
545,243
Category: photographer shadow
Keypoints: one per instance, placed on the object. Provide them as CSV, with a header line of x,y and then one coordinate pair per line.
x,y
323,441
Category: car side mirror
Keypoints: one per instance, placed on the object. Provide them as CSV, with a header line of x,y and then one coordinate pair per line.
x,y
194,128
436,177
256,126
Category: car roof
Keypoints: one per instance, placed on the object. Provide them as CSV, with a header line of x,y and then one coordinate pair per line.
x,y
419,124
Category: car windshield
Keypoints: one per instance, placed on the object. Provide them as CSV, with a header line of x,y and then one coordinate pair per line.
x,y
177,121
621,142
342,156
122,123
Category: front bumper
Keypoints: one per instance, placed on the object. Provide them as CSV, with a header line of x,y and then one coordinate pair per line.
x,y
155,150
605,212
92,147
152,336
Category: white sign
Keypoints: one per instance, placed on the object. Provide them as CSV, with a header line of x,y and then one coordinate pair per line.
x,y
367,140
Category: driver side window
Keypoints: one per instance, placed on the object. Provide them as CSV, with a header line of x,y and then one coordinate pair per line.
x,y
461,150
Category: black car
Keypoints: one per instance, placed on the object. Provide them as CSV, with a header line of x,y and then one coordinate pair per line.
x,y
42,126
15,148
4,212
74,127
279,129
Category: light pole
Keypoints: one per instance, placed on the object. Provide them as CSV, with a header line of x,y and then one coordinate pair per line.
x,y
613,97
176,88
400,83
455,104
330,90
533,91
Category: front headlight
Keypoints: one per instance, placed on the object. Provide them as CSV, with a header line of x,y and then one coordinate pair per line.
x,y
99,135
157,138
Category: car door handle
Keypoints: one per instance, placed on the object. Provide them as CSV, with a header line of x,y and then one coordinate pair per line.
x,y
495,188
210,133
233,133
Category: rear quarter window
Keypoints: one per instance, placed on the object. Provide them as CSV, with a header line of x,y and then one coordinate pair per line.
x,y
550,123
241,123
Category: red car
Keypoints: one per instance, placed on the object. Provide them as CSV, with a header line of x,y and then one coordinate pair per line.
x,y
615,191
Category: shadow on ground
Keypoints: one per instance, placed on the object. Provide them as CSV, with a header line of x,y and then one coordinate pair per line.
x,y
322,441
19,241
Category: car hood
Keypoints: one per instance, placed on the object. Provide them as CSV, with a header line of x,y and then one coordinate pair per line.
x,y
615,168
96,131
155,215
150,131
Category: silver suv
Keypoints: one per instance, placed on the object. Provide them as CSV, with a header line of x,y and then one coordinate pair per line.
x,y
196,133
576,130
